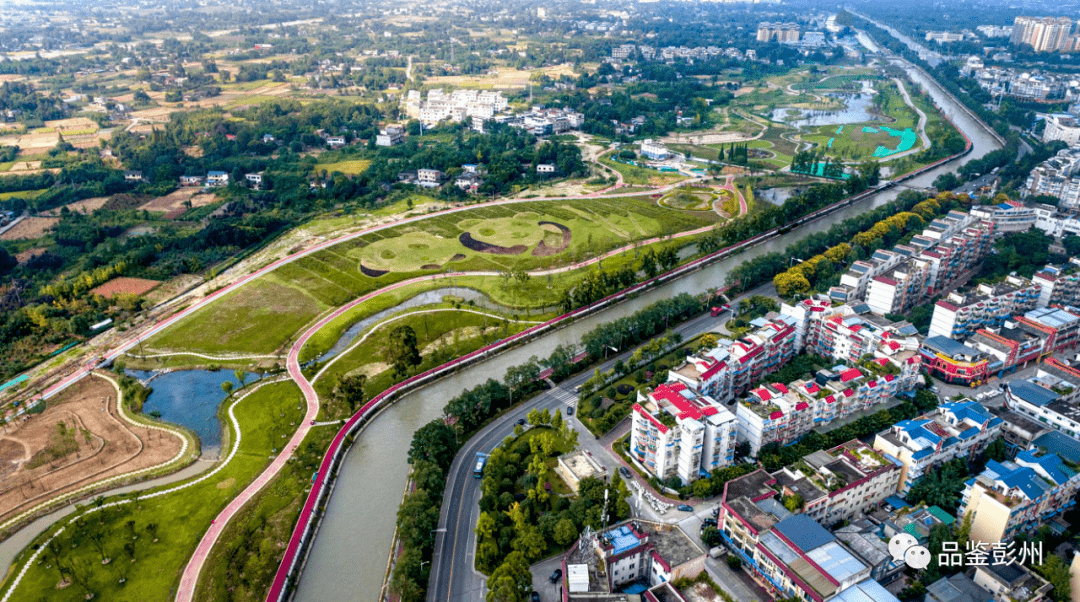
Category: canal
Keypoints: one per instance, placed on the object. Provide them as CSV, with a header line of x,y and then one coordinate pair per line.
x,y
348,557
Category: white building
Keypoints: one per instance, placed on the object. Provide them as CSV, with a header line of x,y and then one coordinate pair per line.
x,y
217,178
677,432
1010,216
988,306
391,136
654,150
429,178
1059,127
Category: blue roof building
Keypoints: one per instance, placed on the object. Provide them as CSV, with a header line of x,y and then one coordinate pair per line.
x,y
1008,498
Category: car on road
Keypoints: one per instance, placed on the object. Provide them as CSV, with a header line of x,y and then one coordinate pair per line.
x,y
935,390
625,472
686,508
555,576
535,597
520,422
570,411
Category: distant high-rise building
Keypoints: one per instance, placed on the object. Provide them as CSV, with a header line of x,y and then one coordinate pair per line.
x,y
1044,34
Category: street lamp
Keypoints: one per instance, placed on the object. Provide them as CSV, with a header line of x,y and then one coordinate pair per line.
x,y
793,261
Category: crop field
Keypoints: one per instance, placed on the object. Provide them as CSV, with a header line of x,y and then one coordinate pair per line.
x,y
348,167
125,286
30,228
261,316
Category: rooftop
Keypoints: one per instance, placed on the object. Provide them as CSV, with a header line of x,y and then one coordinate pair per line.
x,y
958,588
867,590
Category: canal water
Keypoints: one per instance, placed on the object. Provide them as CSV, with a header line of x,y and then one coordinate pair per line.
x,y
349,555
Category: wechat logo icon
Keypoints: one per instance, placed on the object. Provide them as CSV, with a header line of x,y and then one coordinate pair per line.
x,y
904,547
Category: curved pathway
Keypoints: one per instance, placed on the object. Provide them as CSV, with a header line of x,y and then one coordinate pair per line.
x,y
214,358
186,591
121,410
236,446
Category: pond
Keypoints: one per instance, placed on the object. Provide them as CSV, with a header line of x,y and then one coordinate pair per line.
x,y
856,110
190,398
478,299
777,196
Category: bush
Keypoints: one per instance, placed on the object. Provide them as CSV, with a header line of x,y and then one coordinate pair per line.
x,y
733,562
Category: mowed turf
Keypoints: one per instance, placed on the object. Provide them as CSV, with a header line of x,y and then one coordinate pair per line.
x,y
257,318
181,517
262,316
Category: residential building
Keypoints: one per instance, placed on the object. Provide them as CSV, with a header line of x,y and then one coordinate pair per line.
x,y
429,178
630,551
956,588
191,180
1043,34
1010,216
944,37
789,555
987,306
679,433
778,413
254,180
1012,582
1047,396
1019,431
1006,348
850,332
954,362
469,181
335,141
841,483
545,168
1058,223
1057,287
1057,176
953,430
1008,499
1061,127
863,537
908,275
217,178
481,105
778,32
729,370
917,521
995,31
133,176
654,150
391,136
1060,327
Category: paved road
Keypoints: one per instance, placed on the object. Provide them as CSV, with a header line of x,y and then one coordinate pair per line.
x,y
453,578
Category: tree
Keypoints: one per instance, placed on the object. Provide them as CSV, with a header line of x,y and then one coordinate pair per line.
x,y
511,581
565,532
97,537
227,387
401,350
350,390
435,442
239,373
1057,573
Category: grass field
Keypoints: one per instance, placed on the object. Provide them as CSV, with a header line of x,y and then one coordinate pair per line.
x,y
266,419
20,194
641,176
349,167
260,317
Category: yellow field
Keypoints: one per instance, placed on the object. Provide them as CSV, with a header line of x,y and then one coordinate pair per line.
x,y
349,168
504,78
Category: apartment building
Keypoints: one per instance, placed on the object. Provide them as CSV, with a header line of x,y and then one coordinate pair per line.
x,y
455,106
1057,287
1059,326
1043,34
1057,223
654,150
391,136
840,483
986,306
899,280
1006,348
778,32
1061,127
1047,397
1010,216
778,413
791,556
1008,499
1012,582
1057,176
953,430
730,368
677,432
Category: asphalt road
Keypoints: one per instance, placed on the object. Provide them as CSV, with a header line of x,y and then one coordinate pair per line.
x,y
453,578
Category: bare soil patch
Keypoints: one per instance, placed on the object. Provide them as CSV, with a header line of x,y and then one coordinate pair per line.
x,y
176,199
27,255
85,206
94,444
543,249
173,287
125,286
30,228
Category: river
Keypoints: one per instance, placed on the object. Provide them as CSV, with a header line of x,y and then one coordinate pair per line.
x,y
348,557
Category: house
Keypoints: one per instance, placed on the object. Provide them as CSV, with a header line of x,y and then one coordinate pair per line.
x,y
217,178
267,138
863,538
254,180
133,176
391,136
335,142
469,182
1011,582
957,588
407,177
655,150
545,168
429,178
191,180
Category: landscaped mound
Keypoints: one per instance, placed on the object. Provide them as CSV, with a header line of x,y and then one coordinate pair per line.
x,y
372,273
543,250
624,389
472,244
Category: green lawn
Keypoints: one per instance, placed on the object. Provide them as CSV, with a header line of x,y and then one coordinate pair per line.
x,y
640,176
267,418
20,194
260,317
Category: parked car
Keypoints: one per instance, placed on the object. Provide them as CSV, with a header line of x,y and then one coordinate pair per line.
x,y
535,597
520,422
708,522
686,508
625,472
570,411
556,576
